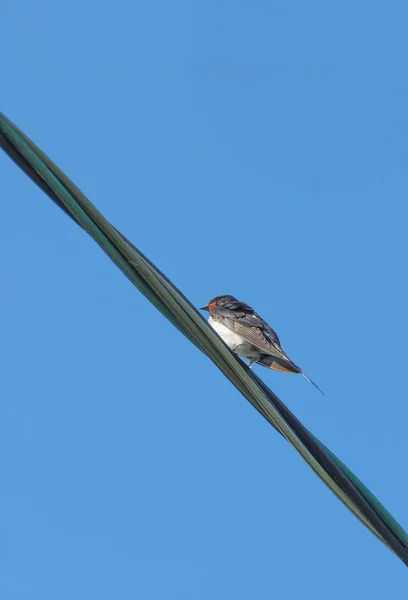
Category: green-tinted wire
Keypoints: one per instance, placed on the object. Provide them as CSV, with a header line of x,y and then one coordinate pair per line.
x,y
155,286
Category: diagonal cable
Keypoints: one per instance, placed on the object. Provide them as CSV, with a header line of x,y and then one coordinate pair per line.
x,y
177,308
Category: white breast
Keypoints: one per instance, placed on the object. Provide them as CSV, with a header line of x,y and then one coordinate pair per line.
x,y
234,341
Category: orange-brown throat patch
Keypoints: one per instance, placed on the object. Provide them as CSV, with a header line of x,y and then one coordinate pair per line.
x,y
211,306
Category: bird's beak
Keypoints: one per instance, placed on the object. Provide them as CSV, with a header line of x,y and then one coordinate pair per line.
x,y
204,307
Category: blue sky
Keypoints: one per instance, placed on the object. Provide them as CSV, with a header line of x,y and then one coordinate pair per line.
x,y
257,149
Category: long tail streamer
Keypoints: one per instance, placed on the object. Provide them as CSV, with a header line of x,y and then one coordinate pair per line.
x,y
176,307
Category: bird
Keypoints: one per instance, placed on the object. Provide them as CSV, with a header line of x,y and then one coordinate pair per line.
x,y
249,336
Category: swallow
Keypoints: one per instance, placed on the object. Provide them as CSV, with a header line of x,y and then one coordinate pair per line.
x,y
249,336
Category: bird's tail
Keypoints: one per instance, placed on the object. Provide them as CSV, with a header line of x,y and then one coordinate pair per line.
x,y
312,382
278,364
284,366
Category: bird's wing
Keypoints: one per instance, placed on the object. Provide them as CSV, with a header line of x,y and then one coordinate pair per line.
x,y
254,330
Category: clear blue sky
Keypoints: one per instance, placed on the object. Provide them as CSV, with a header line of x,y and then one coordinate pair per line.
x,y
257,149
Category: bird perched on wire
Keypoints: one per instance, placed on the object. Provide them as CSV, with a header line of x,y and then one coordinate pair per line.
x,y
249,336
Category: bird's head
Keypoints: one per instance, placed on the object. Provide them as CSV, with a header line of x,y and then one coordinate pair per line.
x,y
218,302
